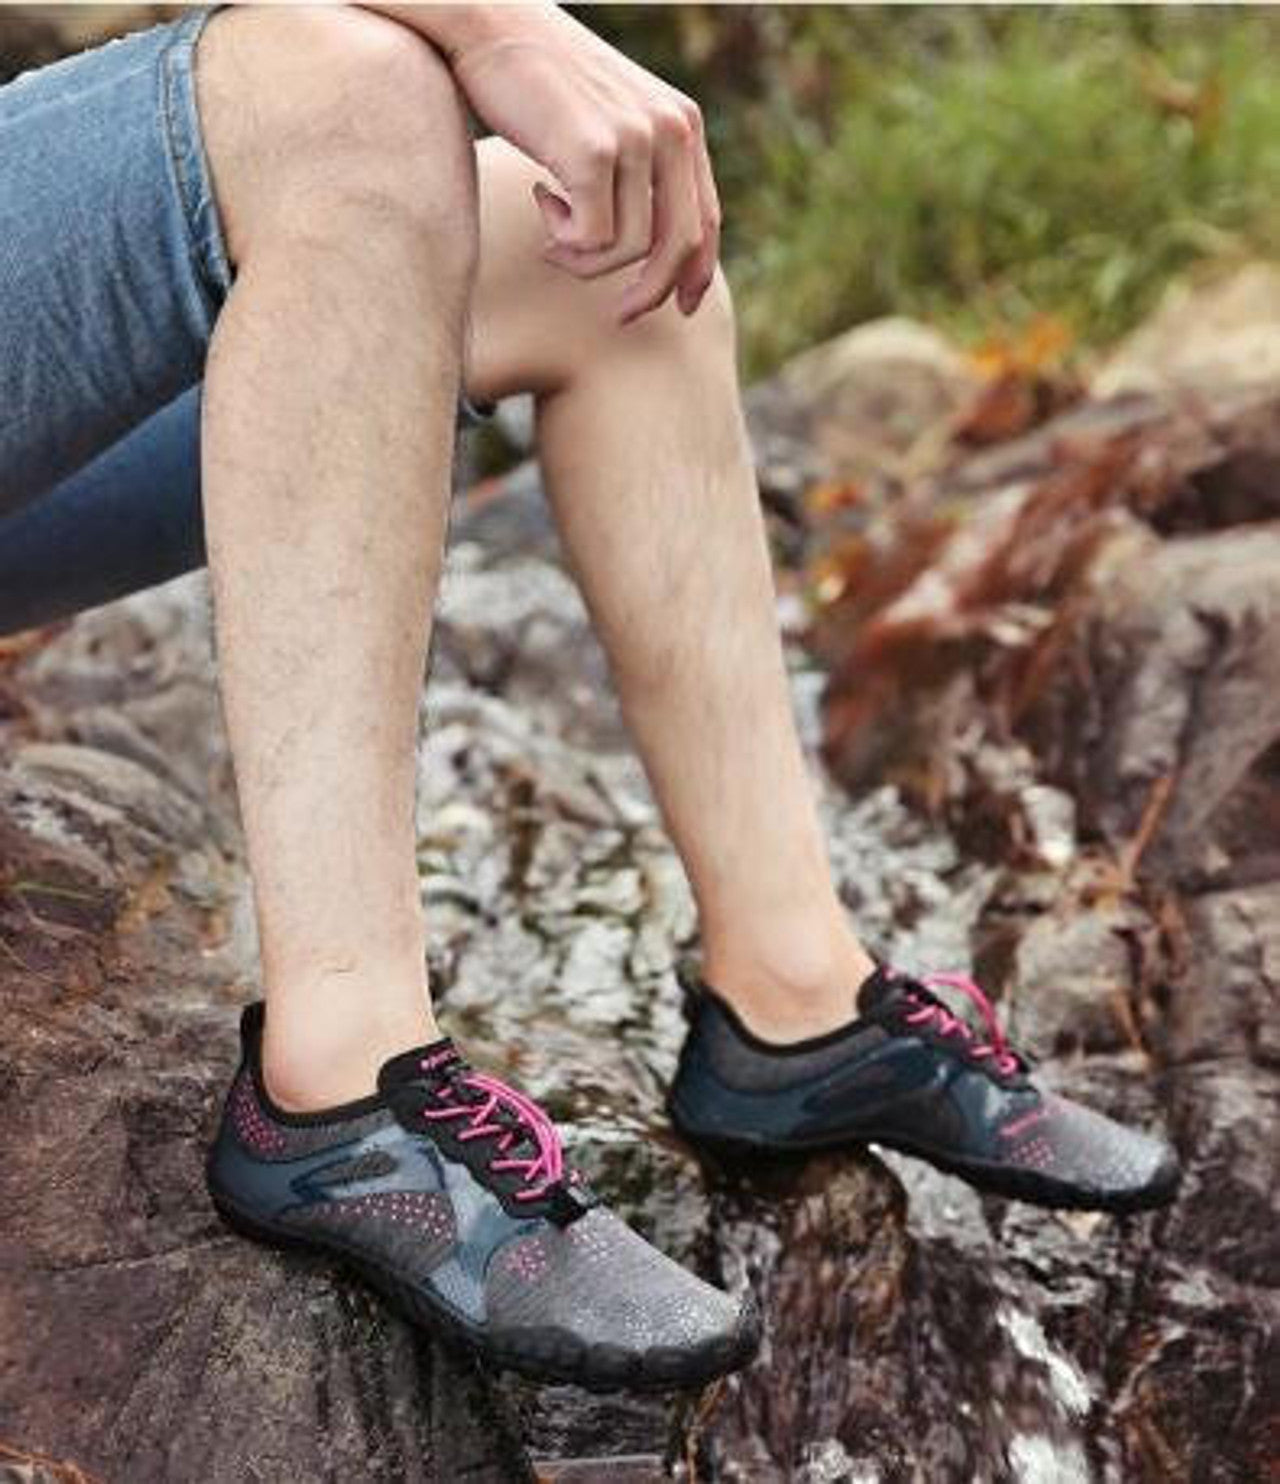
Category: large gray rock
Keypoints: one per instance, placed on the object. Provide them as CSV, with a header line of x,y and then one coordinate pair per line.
x,y
1170,701
1228,1005
140,1340
875,406
1203,337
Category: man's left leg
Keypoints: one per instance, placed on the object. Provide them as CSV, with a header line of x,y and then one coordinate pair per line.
x,y
646,457
800,1045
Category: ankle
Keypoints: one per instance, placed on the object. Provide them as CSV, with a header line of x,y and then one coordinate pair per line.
x,y
316,1055
802,982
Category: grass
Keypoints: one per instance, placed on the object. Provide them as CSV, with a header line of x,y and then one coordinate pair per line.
x,y
977,167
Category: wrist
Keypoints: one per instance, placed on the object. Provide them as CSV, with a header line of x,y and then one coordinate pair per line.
x,y
457,29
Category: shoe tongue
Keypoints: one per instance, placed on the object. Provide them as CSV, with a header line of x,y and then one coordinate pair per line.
x,y
431,1077
405,1078
882,990
428,1076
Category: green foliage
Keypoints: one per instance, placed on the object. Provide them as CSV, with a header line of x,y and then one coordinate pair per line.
x,y
977,166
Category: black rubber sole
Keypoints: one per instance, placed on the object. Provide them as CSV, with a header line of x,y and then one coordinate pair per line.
x,y
990,1179
552,1357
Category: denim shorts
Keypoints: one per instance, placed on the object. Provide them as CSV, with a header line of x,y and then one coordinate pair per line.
x,y
113,269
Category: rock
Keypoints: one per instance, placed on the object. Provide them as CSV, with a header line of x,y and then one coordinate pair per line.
x,y
63,792
1223,1227
142,1341
1169,702
915,1330
827,1253
1228,1003
1203,336
876,394
868,408
515,417
1080,676
504,517
1081,590
510,629
1072,971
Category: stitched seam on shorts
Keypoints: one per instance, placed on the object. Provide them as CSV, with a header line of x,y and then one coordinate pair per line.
x,y
214,276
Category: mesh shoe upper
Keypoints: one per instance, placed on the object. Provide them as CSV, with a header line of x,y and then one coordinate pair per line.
x,y
1072,1143
455,1183
603,1281
913,1073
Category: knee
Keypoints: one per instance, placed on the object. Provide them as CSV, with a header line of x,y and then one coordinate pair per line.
x,y
328,120
715,316
708,336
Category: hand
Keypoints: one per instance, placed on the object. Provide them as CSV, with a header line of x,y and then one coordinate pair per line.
x,y
628,151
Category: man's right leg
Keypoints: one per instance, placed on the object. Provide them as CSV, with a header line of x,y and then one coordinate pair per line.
x,y
341,158
328,430
342,162
345,173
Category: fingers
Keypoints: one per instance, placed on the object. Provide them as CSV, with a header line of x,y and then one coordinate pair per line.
x,y
677,218
701,267
633,213
589,177
631,181
555,211
662,207
635,203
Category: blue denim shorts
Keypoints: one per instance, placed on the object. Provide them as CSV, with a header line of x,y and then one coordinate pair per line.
x,y
112,263
113,269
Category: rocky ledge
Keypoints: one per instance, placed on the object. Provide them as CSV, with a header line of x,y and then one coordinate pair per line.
x,y
915,1331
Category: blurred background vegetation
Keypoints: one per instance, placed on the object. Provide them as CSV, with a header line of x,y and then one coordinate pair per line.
x,y
988,168
981,167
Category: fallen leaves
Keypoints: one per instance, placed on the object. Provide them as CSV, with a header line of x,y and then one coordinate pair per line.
x,y
949,613
1025,381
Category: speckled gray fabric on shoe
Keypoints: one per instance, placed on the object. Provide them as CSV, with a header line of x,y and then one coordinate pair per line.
x,y
600,1279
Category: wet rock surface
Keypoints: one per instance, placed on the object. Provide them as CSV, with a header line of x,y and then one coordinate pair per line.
x,y
915,1330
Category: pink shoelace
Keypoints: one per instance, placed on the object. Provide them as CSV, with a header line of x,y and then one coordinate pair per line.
x,y
539,1171
1007,1061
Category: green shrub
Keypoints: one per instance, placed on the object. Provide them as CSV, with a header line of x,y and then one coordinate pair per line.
x,y
976,166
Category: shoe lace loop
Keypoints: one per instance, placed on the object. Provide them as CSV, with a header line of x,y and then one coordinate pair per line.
x,y
932,1012
501,1113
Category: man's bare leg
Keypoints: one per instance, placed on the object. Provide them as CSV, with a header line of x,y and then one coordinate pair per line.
x,y
346,178
646,459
